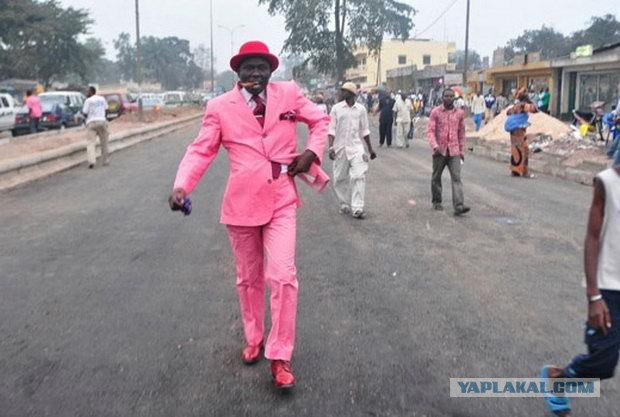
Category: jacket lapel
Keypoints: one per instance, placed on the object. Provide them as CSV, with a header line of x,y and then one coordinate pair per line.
x,y
244,111
271,113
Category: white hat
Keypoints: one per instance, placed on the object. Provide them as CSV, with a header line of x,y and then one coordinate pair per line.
x,y
349,86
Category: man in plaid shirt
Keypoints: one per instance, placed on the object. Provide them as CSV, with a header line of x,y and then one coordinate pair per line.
x,y
446,137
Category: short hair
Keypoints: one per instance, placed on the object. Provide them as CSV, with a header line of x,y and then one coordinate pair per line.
x,y
448,89
92,89
28,92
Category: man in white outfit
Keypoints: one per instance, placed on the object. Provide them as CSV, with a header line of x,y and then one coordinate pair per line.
x,y
402,108
348,131
94,108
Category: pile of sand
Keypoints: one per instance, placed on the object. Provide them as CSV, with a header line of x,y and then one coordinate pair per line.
x,y
540,124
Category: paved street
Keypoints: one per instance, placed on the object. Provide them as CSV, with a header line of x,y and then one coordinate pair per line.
x,y
111,305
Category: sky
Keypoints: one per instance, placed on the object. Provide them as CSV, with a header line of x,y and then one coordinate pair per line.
x,y
492,22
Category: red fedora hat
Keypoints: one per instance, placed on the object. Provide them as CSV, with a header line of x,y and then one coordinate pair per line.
x,y
254,49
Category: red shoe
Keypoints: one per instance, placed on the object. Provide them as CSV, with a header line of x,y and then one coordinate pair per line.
x,y
251,354
282,374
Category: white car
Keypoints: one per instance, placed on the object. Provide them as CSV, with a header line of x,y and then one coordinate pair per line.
x,y
7,112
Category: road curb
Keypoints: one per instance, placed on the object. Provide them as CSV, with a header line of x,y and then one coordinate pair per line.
x,y
543,163
19,171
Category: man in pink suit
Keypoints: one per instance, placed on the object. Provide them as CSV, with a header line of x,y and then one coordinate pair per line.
x,y
255,123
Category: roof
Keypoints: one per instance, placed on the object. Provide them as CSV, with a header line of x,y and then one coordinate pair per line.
x,y
607,47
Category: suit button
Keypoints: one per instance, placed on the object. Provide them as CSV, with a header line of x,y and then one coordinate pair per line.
x,y
269,181
264,136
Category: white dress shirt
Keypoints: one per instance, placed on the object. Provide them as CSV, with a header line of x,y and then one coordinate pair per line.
x,y
248,98
349,126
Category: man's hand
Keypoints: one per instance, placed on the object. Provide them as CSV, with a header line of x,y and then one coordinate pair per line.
x,y
373,155
332,154
301,163
177,198
599,317
435,151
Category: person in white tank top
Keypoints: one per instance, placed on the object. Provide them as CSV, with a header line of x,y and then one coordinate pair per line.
x,y
602,270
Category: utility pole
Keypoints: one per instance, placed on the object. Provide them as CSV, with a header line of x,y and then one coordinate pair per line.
x,y
465,63
212,73
138,63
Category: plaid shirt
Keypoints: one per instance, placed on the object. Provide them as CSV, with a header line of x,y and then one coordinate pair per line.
x,y
446,131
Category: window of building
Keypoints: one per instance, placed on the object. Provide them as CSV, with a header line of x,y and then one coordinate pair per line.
x,y
402,59
426,60
363,61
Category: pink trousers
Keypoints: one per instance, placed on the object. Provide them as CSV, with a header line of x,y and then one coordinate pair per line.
x,y
267,254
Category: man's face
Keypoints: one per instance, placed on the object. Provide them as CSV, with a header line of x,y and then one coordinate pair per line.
x,y
347,95
257,71
448,98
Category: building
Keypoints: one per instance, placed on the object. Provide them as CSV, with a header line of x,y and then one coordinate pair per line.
x,y
372,69
431,77
587,77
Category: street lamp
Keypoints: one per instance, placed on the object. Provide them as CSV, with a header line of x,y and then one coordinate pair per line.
x,y
232,33
138,62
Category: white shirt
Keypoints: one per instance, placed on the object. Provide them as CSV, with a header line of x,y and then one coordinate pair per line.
x,y
608,275
478,105
248,98
349,126
402,110
94,108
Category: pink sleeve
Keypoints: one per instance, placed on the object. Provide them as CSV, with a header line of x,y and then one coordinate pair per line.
x,y
200,154
462,134
431,130
317,121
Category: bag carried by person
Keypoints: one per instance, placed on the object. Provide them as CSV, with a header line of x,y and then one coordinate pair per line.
x,y
410,133
516,121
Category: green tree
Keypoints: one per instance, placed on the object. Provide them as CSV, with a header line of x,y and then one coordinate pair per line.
x,y
547,40
168,61
603,30
474,61
125,56
325,31
41,40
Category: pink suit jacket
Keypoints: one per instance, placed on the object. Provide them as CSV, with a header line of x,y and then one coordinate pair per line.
x,y
249,199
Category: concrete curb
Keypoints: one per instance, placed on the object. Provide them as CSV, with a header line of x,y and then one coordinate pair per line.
x,y
543,163
19,171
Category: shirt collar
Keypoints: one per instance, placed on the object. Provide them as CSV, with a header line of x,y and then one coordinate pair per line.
x,y
248,96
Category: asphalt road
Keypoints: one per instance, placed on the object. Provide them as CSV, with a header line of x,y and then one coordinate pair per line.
x,y
111,305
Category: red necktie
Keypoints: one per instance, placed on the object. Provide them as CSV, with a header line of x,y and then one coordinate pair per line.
x,y
259,110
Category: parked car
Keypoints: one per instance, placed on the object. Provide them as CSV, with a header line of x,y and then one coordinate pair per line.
x,y
7,112
72,99
152,103
119,104
56,115
175,98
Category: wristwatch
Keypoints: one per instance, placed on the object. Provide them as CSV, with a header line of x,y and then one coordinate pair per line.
x,y
595,298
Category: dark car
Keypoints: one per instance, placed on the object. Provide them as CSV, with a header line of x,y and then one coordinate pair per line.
x,y
56,115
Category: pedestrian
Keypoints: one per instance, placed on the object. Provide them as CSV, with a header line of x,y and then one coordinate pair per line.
x,y
348,131
543,100
256,123
386,118
520,150
320,103
489,102
34,111
402,119
478,108
94,109
602,271
446,137
369,101
500,104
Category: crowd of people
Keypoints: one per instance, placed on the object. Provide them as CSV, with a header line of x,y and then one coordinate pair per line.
x,y
256,124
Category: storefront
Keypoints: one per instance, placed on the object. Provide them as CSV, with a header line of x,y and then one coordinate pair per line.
x,y
588,79
534,76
